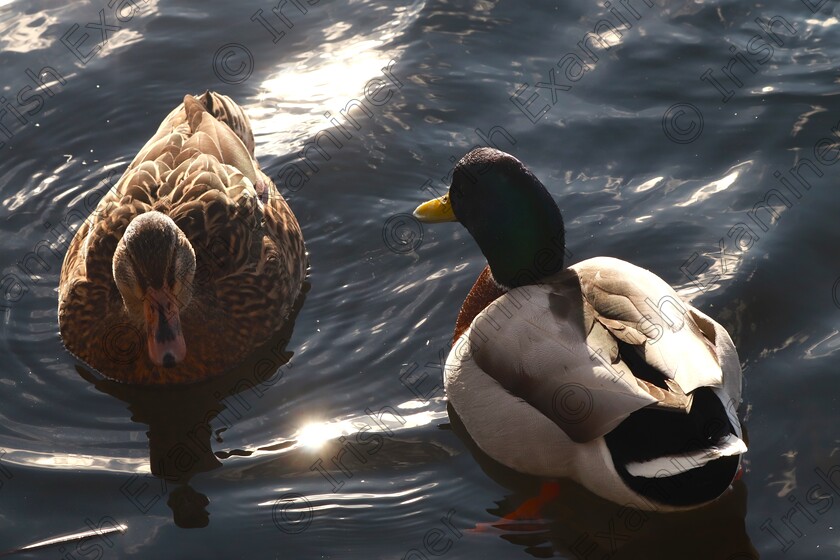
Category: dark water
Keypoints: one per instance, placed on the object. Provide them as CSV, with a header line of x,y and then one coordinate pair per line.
x,y
249,457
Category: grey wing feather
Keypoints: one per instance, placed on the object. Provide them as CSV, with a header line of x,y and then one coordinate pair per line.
x,y
555,346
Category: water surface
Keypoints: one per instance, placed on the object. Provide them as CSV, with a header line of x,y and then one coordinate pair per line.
x,y
244,466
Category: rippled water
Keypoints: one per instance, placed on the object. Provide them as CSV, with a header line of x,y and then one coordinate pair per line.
x,y
339,445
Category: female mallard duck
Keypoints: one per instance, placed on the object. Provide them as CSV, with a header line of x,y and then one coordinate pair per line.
x,y
597,372
190,262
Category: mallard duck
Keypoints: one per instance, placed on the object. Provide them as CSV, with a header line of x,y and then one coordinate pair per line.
x,y
597,372
190,262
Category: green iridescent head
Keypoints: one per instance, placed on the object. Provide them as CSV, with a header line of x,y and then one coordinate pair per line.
x,y
508,212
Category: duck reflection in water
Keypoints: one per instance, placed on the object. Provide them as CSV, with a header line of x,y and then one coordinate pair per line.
x,y
179,418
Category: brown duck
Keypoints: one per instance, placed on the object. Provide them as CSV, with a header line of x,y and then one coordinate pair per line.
x,y
190,262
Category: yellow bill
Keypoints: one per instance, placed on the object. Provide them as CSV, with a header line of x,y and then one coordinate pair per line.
x,y
436,210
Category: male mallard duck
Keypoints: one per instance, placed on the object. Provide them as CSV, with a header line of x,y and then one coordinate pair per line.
x,y
597,372
190,262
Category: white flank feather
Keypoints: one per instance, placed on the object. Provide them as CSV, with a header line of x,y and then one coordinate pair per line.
x,y
672,465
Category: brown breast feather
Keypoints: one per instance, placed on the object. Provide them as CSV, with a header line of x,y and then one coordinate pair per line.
x,y
484,292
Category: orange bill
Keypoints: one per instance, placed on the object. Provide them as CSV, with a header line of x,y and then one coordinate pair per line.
x,y
163,328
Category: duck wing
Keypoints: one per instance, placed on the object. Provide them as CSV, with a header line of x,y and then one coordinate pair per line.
x,y
583,348
675,346
533,342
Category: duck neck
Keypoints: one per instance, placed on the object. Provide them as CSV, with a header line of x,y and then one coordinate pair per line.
x,y
525,251
484,292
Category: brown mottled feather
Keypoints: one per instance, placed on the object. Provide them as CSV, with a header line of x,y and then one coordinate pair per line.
x,y
199,169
